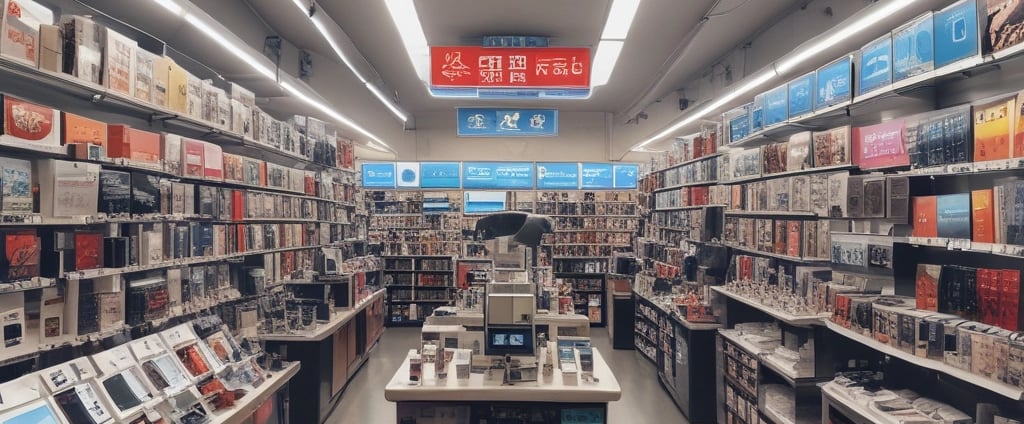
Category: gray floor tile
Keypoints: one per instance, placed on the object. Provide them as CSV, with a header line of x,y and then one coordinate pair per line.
x,y
643,401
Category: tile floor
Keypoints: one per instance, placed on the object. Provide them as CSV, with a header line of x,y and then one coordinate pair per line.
x,y
643,401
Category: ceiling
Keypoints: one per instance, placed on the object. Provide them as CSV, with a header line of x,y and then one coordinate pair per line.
x,y
649,67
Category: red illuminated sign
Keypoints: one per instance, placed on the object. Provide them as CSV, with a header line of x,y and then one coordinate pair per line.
x,y
498,67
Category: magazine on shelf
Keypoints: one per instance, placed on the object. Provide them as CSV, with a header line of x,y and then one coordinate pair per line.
x,y
29,124
84,41
120,75
21,21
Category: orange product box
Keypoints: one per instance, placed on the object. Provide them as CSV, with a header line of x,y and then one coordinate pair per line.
x,y
79,129
925,211
982,216
124,141
993,124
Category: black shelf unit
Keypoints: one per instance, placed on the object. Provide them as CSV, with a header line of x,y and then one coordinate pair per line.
x,y
582,297
405,277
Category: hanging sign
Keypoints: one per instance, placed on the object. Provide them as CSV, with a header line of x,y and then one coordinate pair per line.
x,y
491,122
536,67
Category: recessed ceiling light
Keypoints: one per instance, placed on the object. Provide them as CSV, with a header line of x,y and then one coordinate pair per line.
x,y
620,19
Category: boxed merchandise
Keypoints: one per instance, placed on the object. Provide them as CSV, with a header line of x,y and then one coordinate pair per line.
x,y
145,63
913,332
161,81
15,186
20,26
30,124
886,312
193,158
84,41
119,60
81,404
82,130
51,48
194,99
134,144
67,189
13,320
941,336
51,315
177,88
213,162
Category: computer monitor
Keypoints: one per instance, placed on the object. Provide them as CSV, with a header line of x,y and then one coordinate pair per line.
x,y
515,341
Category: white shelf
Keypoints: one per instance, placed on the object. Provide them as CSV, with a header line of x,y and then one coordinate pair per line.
x,y
684,208
324,331
753,251
1015,393
798,320
832,394
765,359
107,272
689,161
789,214
823,169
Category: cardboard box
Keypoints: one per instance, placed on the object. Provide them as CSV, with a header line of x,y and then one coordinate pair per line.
x,y
21,26
81,130
51,48
130,143
84,41
161,80
177,88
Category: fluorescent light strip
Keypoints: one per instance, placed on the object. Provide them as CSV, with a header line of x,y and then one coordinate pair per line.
x,y
331,112
395,109
604,62
384,99
620,19
732,95
407,22
229,46
861,24
170,5
790,63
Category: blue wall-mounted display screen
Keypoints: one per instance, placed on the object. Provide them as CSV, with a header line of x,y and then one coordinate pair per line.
x,y
552,175
875,65
597,176
505,175
757,114
956,33
440,174
626,175
407,174
833,83
913,49
776,107
484,201
739,126
379,174
801,95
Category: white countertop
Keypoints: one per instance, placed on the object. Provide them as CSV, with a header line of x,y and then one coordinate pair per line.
x,y
324,330
244,407
471,318
477,388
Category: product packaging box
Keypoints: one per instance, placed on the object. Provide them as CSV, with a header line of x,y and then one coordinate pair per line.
x,y
21,26
51,48
84,41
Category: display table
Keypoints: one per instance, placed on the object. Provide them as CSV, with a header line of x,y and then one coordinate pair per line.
x,y
260,398
563,325
481,397
330,356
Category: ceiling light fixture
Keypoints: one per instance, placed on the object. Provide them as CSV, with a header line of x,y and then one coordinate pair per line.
x,y
620,18
170,5
407,22
721,101
613,37
394,108
604,61
238,51
787,64
331,113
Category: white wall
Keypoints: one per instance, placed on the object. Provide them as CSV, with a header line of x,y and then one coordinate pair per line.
x,y
582,136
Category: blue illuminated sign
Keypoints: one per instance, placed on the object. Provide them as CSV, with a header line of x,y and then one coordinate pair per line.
x,y
875,65
913,49
833,83
494,122
597,176
558,175
379,174
757,114
801,98
776,106
739,126
626,175
956,33
502,175
439,174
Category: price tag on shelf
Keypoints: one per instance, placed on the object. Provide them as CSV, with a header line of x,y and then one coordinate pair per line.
x,y
960,168
958,244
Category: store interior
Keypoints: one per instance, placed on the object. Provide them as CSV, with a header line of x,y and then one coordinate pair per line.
x,y
530,212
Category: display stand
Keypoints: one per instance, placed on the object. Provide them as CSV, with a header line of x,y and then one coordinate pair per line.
x,y
330,357
684,351
256,402
553,325
550,396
